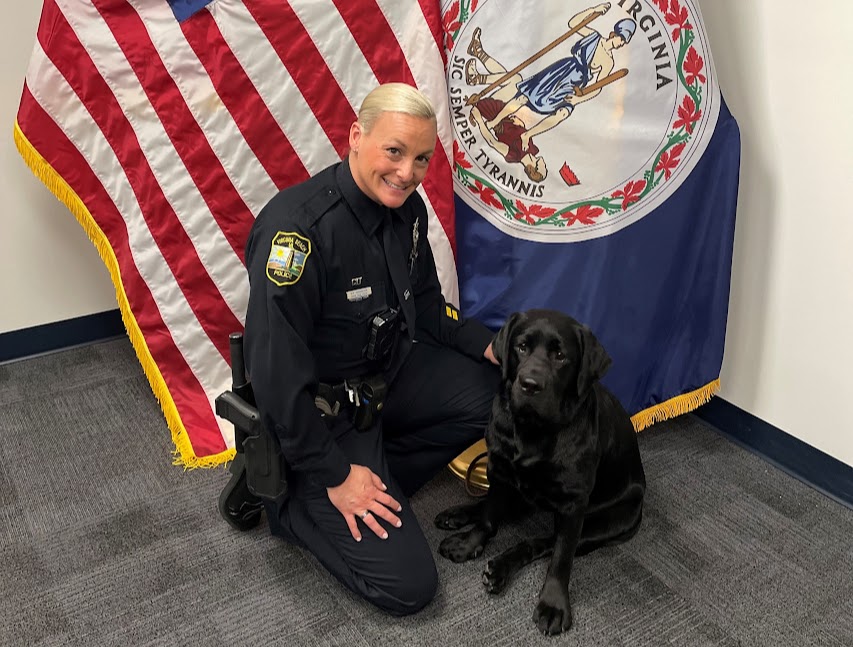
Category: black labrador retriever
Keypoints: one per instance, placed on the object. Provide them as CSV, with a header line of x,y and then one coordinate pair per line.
x,y
560,441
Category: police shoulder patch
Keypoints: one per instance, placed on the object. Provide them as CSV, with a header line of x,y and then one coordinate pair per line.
x,y
288,255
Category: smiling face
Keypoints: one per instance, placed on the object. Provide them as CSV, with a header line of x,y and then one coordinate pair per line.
x,y
390,160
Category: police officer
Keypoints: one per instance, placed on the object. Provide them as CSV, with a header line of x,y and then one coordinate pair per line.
x,y
369,380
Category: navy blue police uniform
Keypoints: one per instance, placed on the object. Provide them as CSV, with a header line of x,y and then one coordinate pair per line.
x,y
319,277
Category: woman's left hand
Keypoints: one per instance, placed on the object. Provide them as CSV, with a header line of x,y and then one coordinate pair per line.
x,y
489,354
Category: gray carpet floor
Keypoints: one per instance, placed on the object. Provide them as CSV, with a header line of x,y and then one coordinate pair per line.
x,y
104,542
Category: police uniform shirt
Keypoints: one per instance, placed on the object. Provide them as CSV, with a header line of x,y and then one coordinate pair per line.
x,y
318,275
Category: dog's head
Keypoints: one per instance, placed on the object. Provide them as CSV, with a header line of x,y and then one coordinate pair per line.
x,y
549,361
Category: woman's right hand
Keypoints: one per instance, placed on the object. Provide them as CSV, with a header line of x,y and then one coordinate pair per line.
x,y
363,496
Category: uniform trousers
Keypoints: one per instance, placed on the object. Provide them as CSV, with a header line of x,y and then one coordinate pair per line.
x,y
438,405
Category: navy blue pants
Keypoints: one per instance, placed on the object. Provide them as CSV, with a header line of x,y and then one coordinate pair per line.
x,y
437,407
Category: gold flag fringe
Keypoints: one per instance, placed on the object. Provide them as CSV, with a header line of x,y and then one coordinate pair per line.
x,y
676,406
183,453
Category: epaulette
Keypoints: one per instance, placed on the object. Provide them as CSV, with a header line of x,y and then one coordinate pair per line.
x,y
320,203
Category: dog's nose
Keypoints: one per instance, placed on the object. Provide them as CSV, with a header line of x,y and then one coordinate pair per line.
x,y
529,385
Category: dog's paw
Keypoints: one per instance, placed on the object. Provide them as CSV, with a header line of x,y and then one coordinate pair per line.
x,y
460,547
495,576
553,614
456,517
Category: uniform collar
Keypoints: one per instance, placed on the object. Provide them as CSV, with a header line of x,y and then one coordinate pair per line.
x,y
369,213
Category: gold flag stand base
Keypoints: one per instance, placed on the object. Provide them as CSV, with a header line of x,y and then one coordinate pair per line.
x,y
459,465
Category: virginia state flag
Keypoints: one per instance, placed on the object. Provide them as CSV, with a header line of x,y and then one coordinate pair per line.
x,y
596,172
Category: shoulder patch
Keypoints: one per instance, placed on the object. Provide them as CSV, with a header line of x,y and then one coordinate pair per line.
x,y
288,255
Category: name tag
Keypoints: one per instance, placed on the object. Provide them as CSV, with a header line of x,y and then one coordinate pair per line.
x,y
360,294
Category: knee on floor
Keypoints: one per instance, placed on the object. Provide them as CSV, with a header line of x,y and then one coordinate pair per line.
x,y
410,593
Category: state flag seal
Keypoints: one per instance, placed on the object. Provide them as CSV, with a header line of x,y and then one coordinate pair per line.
x,y
573,121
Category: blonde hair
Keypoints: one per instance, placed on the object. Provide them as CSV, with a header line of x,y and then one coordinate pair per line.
x,y
394,97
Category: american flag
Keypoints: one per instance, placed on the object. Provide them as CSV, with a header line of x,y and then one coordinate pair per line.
x,y
166,126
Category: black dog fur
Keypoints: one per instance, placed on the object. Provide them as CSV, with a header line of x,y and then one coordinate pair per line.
x,y
560,441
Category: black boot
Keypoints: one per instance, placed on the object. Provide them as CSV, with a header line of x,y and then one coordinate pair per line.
x,y
237,505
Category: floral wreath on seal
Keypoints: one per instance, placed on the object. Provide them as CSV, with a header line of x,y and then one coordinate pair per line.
x,y
690,76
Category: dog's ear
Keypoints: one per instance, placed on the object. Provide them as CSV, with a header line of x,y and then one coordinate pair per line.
x,y
501,344
594,360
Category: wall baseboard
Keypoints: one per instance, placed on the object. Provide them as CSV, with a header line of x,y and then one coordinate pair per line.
x,y
802,461
19,344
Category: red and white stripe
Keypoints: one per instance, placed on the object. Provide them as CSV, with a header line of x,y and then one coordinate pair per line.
x,y
174,136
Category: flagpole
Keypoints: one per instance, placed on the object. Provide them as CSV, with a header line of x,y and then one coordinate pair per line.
x,y
474,98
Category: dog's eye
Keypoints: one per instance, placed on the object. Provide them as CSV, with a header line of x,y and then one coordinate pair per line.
x,y
521,347
560,355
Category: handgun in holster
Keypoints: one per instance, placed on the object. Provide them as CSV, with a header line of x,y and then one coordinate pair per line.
x,y
265,467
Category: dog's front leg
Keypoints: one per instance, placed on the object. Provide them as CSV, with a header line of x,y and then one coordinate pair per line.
x,y
469,544
500,569
553,612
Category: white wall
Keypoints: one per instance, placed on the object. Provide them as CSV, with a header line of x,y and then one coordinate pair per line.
x,y
785,70
49,271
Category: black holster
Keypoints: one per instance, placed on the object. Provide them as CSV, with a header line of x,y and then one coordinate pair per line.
x,y
266,470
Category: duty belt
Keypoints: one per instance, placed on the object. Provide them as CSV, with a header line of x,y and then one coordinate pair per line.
x,y
363,397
